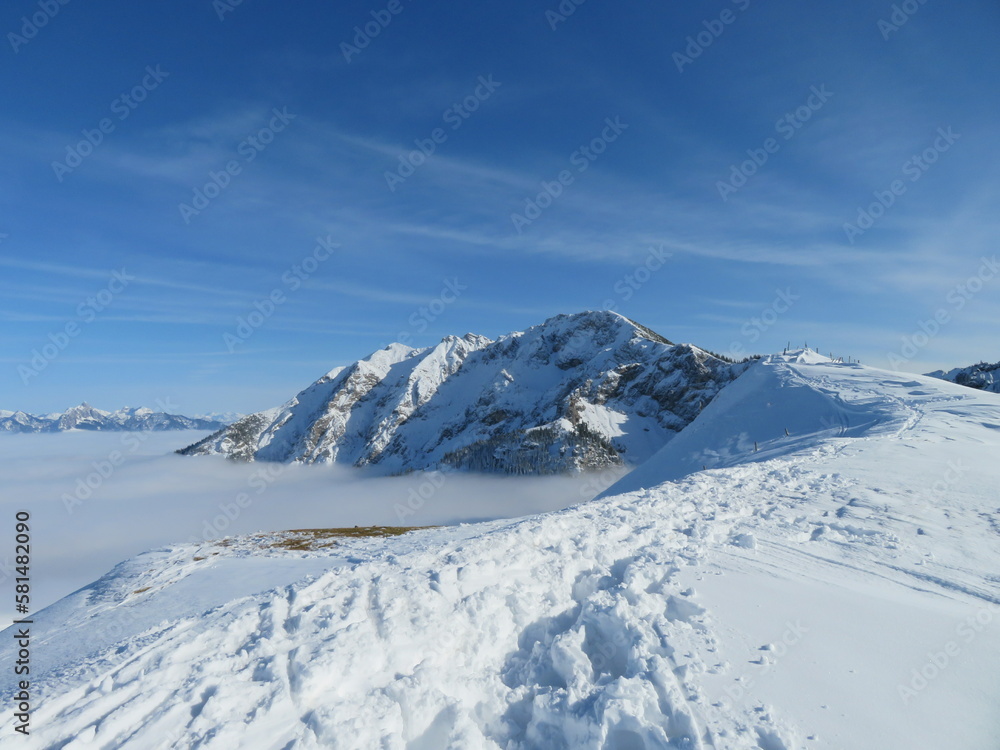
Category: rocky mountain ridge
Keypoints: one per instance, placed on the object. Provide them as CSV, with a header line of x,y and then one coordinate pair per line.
x,y
577,392
982,376
86,417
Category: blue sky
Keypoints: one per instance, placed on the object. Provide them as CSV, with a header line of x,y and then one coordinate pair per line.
x,y
648,217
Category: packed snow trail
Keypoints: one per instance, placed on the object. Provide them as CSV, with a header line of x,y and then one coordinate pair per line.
x,y
833,587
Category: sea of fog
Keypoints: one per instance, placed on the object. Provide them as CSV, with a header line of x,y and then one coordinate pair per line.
x,y
97,498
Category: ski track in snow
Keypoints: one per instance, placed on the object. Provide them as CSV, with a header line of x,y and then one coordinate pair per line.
x,y
613,625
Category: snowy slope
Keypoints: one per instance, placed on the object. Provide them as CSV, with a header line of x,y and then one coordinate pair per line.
x,y
766,413
983,376
578,391
836,588
86,417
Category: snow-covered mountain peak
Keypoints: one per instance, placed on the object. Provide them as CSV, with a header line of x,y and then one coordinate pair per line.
x,y
600,328
84,410
388,355
82,417
578,391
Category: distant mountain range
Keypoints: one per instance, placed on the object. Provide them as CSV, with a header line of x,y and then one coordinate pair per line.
x,y
86,417
982,376
577,392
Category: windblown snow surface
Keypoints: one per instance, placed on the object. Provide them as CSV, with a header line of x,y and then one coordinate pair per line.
x,y
836,587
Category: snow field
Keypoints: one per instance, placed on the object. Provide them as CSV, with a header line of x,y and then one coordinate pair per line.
x,y
784,599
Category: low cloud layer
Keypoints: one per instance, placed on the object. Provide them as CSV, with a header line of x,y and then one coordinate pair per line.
x,y
98,498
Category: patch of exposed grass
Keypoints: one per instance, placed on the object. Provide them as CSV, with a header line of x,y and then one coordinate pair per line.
x,y
312,539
